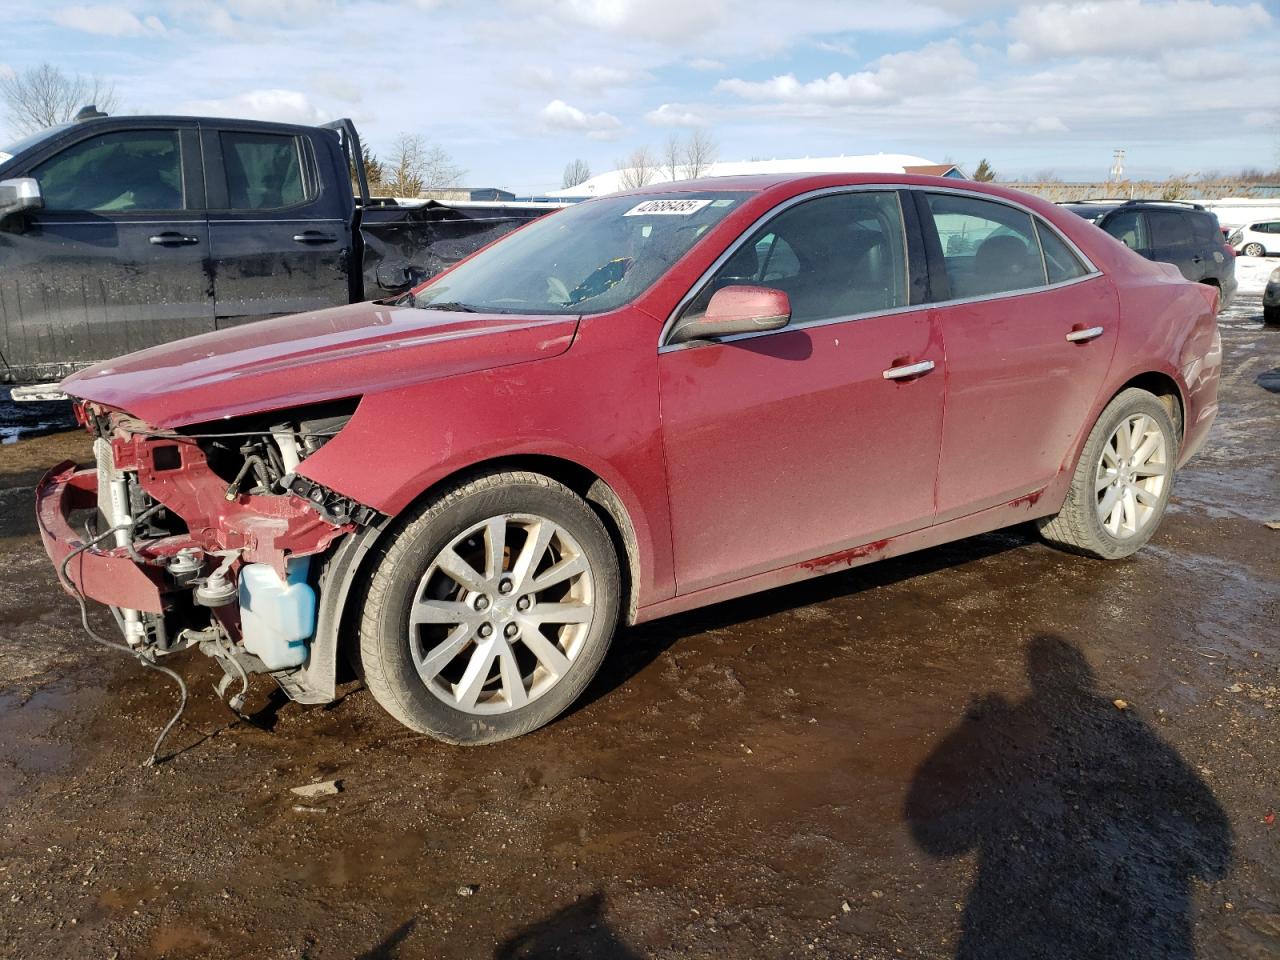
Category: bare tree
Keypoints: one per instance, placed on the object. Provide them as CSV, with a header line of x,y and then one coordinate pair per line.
x,y
673,157
44,96
414,166
699,153
404,170
575,173
439,170
637,169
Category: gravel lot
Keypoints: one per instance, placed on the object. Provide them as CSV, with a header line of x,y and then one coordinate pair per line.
x,y
920,758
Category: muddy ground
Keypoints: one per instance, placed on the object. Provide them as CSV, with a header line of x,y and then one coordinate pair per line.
x,y
920,758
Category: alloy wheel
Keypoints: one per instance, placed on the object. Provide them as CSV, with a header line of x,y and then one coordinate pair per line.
x,y
1131,476
501,614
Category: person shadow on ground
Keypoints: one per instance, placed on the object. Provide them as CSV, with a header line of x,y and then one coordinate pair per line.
x,y
578,931
1088,828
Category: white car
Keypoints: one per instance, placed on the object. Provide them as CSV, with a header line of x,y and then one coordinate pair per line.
x,y
1256,239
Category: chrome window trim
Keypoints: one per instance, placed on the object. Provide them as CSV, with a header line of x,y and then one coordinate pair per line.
x,y
1039,224
771,214
1091,269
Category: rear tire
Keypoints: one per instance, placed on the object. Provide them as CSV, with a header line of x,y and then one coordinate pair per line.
x,y
1271,316
1254,250
490,610
1122,482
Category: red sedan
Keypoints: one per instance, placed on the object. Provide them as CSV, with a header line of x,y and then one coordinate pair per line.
x,y
642,404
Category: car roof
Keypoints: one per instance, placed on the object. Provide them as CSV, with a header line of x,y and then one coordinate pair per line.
x,y
144,120
802,182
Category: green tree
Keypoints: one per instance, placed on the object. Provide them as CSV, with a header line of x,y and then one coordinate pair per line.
x,y
984,172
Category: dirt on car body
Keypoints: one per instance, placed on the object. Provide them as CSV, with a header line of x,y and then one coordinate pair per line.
x,y
904,759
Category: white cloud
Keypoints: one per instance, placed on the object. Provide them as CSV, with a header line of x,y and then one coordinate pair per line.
x,y
537,76
601,78
665,20
558,115
107,20
719,28
1048,125
284,106
1261,118
1128,27
837,47
994,127
894,76
339,87
706,64
674,115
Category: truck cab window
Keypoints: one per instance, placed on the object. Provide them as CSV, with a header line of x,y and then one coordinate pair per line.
x,y
264,171
115,172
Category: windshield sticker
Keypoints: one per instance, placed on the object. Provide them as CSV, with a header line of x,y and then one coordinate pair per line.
x,y
5,157
666,208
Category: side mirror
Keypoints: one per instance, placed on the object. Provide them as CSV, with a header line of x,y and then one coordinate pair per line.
x,y
22,193
734,310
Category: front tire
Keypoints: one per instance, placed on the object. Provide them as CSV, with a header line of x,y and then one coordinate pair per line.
x,y
1254,250
1122,483
491,609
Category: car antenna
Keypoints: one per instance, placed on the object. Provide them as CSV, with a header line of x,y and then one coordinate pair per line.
x,y
91,112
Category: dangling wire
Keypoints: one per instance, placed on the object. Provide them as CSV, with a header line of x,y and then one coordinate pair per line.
x,y
142,656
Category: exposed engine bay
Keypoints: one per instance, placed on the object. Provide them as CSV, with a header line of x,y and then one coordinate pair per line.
x,y
221,530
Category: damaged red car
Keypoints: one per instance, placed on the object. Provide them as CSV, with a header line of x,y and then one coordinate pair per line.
x,y
641,404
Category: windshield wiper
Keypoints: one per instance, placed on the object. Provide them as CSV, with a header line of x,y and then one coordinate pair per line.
x,y
451,305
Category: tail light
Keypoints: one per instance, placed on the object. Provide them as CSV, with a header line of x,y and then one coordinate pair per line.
x,y
1231,251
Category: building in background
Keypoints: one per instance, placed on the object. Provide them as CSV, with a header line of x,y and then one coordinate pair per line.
x,y
611,182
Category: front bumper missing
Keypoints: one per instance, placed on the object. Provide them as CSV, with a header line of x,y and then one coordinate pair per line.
x,y
108,575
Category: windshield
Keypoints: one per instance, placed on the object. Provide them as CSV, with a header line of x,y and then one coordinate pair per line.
x,y
9,151
589,258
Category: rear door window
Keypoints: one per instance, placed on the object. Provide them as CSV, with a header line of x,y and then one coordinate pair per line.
x,y
1059,260
1169,228
988,247
264,171
115,173
1204,228
1130,229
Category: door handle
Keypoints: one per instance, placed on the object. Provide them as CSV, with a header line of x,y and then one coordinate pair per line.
x,y
171,238
909,370
1082,336
314,236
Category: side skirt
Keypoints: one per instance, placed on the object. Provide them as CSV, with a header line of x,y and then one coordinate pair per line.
x,y
984,521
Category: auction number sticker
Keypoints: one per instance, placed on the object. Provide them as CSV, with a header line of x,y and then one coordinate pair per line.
x,y
666,208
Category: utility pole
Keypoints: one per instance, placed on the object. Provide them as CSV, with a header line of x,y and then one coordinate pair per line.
x,y
1117,166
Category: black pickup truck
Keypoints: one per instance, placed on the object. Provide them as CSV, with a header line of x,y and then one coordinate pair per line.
x,y
117,233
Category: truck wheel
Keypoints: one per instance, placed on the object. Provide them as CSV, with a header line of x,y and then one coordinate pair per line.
x,y
490,610
1122,483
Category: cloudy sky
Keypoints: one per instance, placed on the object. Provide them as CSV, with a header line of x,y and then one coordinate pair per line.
x,y
516,88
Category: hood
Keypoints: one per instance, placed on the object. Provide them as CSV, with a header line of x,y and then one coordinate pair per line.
x,y
312,357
